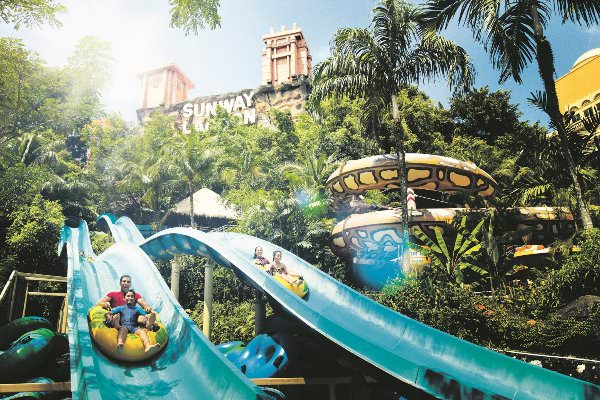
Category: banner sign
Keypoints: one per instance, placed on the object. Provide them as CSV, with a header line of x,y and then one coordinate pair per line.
x,y
197,114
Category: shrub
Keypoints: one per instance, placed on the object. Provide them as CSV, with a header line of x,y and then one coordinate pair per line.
x,y
462,313
438,304
578,276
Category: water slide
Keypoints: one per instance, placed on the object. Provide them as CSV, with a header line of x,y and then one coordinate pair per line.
x,y
432,361
189,368
369,239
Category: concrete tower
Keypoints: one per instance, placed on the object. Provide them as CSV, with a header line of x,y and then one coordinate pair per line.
x,y
285,56
164,86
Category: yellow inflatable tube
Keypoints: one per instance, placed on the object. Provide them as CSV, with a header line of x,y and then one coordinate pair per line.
x,y
298,287
106,338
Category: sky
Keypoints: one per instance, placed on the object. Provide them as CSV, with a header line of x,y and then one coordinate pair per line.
x,y
229,58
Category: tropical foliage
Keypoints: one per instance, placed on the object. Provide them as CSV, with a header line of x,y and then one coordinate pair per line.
x,y
457,254
376,64
62,155
513,33
188,15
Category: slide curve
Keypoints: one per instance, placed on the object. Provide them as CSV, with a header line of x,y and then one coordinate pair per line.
x,y
189,367
430,360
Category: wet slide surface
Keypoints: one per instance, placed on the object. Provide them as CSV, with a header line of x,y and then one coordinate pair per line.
x,y
190,366
423,357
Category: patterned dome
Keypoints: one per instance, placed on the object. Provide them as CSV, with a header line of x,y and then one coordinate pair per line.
x,y
586,55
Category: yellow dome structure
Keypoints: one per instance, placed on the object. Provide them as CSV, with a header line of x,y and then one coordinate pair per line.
x,y
579,89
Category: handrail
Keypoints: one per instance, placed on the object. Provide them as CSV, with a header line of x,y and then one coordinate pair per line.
x,y
35,387
66,386
7,285
29,277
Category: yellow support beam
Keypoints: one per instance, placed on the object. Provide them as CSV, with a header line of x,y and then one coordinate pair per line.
x,y
278,381
47,294
13,277
35,387
42,277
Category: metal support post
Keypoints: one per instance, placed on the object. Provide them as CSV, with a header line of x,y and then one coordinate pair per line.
x,y
260,313
175,273
207,320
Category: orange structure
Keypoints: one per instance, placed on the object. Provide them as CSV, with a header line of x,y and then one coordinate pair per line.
x,y
285,57
579,89
164,86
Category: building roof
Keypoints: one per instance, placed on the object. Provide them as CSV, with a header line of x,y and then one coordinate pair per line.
x,y
206,204
588,54
173,67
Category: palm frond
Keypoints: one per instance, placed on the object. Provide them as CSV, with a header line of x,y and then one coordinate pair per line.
x,y
436,57
579,11
591,122
539,99
510,41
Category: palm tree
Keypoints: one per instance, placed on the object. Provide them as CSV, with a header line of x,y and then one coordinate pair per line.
x,y
312,172
377,63
513,33
192,157
146,172
540,180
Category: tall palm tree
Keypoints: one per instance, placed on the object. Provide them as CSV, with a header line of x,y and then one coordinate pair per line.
x,y
377,63
512,31
192,156
312,172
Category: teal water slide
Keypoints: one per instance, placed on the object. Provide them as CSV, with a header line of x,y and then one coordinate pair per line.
x,y
432,361
190,366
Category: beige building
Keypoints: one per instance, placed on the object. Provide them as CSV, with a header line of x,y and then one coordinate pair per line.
x,y
285,57
164,86
286,71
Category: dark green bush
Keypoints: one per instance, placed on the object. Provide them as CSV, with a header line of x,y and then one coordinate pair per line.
x,y
578,276
438,304
462,313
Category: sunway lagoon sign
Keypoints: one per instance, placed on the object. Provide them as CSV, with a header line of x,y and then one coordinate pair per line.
x,y
197,114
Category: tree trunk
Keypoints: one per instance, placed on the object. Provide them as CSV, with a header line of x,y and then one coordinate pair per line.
x,y
26,151
545,62
191,190
400,156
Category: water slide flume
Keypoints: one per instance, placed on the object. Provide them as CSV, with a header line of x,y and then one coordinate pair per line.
x,y
124,230
424,171
372,239
262,357
413,353
189,366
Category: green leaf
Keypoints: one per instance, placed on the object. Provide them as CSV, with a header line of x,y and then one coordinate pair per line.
x,y
473,267
440,241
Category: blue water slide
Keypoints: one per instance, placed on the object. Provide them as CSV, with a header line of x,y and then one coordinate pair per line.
x,y
190,366
425,358
122,229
